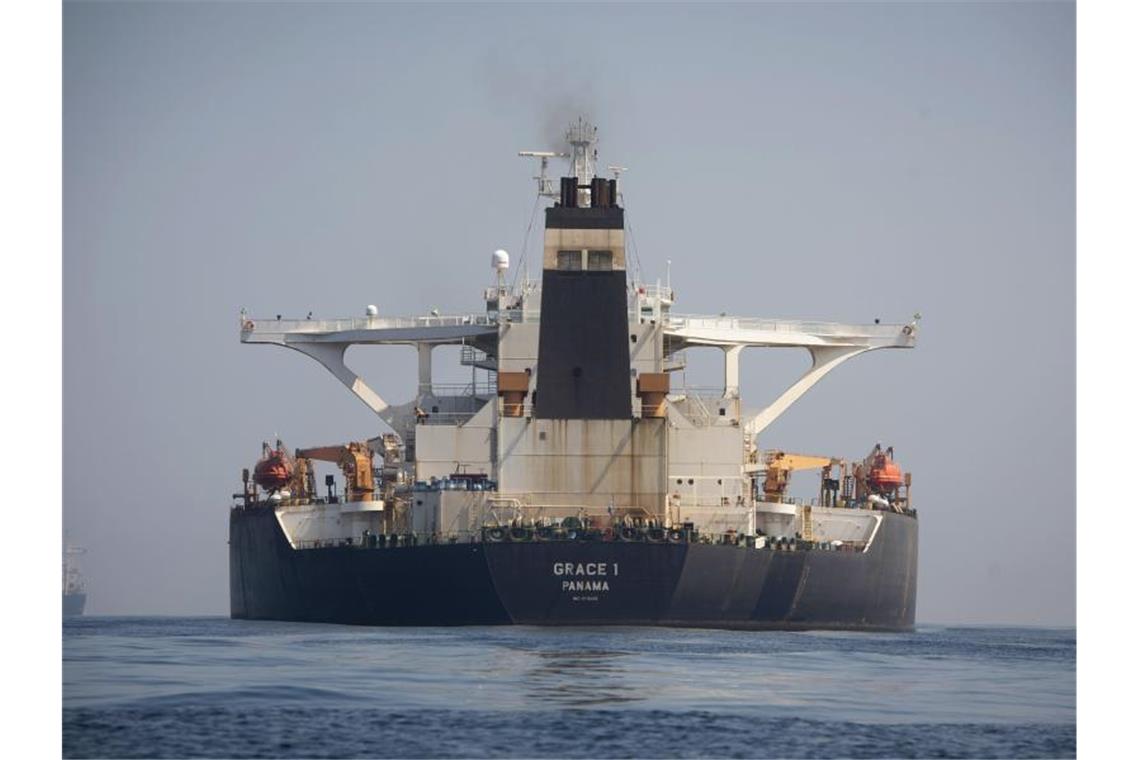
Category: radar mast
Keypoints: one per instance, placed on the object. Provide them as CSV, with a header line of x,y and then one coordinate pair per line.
x,y
582,137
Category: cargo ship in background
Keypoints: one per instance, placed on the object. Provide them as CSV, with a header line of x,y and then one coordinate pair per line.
x,y
74,588
575,480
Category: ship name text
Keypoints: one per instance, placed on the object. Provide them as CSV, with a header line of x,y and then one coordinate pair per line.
x,y
585,576
584,568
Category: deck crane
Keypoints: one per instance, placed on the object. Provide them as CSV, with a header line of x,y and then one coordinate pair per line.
x,y
354,460
779,465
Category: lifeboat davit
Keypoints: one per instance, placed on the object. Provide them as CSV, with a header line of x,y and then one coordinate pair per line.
x,y
885,475
274,471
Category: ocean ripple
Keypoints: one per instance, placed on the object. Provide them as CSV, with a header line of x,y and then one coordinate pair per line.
x,y
213,687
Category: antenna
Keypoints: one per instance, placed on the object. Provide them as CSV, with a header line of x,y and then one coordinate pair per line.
x,y
500,262
617,172
545,184
583,139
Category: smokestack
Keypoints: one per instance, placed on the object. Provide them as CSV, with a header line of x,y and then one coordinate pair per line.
x,y
600,193
569,192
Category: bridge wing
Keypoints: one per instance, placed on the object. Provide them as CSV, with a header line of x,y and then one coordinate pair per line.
x,y
682,331
441,330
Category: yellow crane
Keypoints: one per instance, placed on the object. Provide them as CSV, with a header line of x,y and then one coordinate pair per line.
x,y
354,460
780,465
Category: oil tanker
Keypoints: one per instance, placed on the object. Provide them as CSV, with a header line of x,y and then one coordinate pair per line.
x,y
576,479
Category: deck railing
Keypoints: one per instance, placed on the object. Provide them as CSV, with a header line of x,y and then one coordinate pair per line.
x,y
530,315
398,541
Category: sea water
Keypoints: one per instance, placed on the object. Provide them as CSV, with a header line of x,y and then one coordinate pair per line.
x,y
213,687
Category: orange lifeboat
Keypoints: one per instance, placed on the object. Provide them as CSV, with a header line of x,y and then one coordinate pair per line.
x,y
274,471
884,475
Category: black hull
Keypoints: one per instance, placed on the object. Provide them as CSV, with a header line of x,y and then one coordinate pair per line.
x,y
689,585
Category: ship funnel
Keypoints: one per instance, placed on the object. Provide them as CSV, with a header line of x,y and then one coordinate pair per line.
x,y
584,365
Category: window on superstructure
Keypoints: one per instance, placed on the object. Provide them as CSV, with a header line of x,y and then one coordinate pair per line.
x,y
570,261
600,261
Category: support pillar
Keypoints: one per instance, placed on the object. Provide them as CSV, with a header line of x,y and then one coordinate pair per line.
x,y
424,350
823,360
331,355
732,371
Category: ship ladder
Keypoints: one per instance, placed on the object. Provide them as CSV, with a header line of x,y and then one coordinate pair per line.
x,y
806,528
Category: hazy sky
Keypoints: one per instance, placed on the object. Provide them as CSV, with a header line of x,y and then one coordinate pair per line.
x,y
840,162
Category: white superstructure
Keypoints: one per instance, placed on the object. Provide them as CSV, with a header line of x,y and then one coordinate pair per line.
x,y
685,456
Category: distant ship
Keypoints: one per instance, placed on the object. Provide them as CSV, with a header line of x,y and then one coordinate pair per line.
x,y
576,479
74,589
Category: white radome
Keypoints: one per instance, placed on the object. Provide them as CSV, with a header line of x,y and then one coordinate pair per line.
x,y
371,310
500,260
